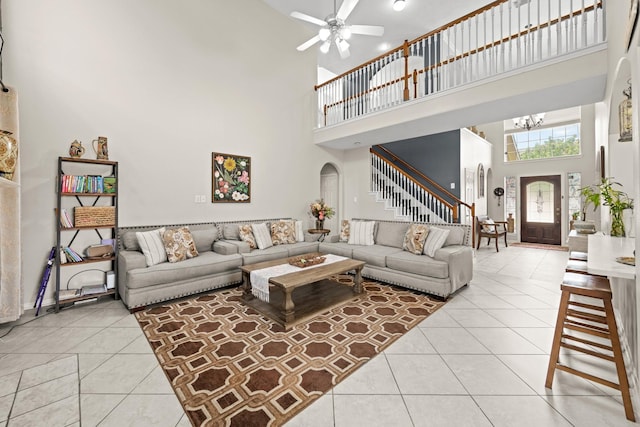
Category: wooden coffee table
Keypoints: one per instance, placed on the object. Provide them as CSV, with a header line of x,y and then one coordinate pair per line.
x,y
295,297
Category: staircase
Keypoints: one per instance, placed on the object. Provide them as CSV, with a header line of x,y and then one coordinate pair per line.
x,y
409,193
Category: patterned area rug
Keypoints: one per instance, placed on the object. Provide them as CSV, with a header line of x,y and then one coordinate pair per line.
x,y
230,366
540,246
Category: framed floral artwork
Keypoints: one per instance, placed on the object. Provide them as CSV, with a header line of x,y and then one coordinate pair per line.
x,y
230,178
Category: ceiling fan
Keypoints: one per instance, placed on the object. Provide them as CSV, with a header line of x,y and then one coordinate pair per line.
x,y
335,29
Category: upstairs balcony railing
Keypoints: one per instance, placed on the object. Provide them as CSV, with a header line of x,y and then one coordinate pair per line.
x,y
503,36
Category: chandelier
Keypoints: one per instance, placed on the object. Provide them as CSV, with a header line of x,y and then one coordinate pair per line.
x,y
528,122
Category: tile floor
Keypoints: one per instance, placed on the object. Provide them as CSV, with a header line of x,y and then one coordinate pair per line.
x,y
479,361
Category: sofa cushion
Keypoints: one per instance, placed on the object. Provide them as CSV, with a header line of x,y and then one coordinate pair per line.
x,y
152,246
204,238
455,237
268,254
299,232
374,255
205,264
337,248
300,248
179,244
283,232
391,233
418,264
230,231
246,235
344,230
435,240
361,233
414,238
130,241
262,235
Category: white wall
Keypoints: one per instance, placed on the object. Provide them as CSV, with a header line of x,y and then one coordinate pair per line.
x,y
168,83
585,164
473,151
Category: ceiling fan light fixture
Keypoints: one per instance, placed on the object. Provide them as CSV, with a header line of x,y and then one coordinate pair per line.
x,y
399,5
324,47
345,33
324,33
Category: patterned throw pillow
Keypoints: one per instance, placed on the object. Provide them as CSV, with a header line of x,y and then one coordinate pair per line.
x,y
414,238
283,232
361,233
246,235
486,227
152,246
435,240
344,230
179,244
262,235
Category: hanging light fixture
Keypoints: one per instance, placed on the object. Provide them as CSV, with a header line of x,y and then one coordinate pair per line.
x,y
528,122
398,5
625,115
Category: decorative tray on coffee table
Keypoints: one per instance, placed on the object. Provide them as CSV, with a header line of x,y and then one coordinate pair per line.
x,y
306,261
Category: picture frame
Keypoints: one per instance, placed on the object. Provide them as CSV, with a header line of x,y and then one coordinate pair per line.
x,y
230,178
631,23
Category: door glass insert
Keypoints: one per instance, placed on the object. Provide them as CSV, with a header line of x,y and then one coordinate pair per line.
x,y
575,182
540,202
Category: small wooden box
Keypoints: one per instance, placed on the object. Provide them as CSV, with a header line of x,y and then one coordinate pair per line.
x,y
94,216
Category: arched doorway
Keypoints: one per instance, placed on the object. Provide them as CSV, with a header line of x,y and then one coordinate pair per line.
x,y
329,192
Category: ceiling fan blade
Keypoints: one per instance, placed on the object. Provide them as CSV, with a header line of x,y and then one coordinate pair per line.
x,y
306,45
346,8
308,18
343,48
367,30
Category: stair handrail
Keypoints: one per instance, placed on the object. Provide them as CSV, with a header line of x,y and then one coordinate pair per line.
x,y
456,201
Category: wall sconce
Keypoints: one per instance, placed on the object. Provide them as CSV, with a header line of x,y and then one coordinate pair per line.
x,y
625,114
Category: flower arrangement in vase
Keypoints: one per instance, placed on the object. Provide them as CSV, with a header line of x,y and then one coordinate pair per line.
x,y
321,211
617,201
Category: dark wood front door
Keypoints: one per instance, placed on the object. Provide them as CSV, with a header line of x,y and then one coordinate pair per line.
x,y
540,209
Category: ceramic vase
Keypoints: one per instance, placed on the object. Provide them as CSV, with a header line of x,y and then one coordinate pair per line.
x,y
8,154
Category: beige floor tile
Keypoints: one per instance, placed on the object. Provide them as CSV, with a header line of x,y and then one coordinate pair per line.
x,y
102,318
318,414
88,362
521,411
515,318
10,363
139,346
413,342
52,370
424,374
60,413
5,406
60,340
145,410
44,394
374,377
475,318
155,383
120,374
445,411
503,341
95,407
110,340
439,319
454,341
382,411
591,411
9,384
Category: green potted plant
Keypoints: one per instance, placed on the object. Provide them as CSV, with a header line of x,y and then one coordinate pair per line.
x,y
607,193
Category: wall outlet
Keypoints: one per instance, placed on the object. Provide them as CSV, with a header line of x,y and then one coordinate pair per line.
x,y
453,185
200,198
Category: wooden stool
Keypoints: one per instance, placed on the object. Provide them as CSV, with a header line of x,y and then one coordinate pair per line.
x,y
578,256
579,317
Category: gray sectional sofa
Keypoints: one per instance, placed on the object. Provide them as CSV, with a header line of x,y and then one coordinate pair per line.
x,y
221,253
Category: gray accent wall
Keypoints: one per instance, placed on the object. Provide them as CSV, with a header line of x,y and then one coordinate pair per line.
x,y
436,156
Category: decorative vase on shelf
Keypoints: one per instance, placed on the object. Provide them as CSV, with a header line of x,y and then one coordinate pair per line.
x,y
8,154
319,224
617,223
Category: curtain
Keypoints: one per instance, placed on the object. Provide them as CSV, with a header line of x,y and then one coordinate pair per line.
x,y
10,257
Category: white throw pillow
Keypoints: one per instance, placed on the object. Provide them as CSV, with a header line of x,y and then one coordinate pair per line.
x,y
299,232
152,246
262,235
487,227
435,240
361,233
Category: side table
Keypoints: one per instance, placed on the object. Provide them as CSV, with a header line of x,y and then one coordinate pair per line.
x,y
321,231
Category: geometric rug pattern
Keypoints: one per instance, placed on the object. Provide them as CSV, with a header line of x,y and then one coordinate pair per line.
x,y
231,366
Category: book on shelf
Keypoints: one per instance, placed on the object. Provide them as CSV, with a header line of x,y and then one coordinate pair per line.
x,y
109,184
84,184
93,289
69,255
65,219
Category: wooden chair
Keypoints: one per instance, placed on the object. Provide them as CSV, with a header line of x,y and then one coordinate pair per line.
x,y
491,230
